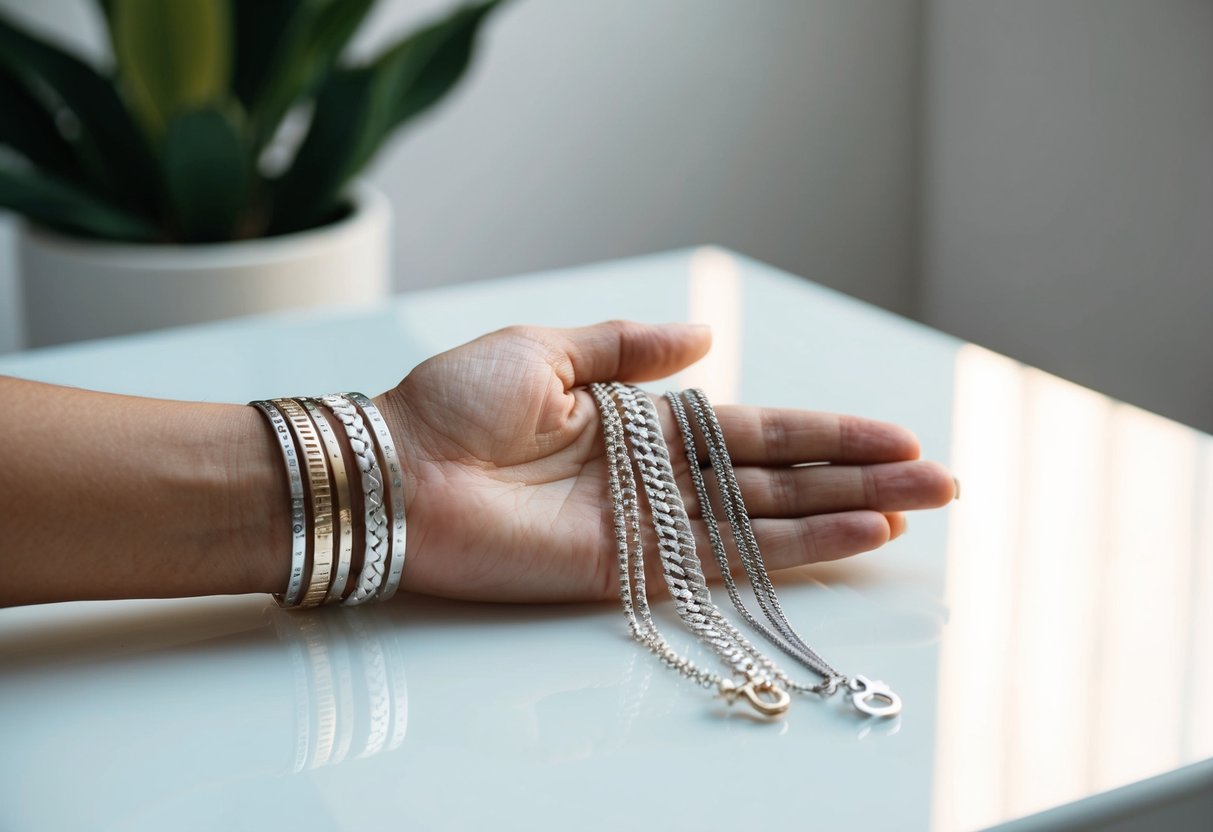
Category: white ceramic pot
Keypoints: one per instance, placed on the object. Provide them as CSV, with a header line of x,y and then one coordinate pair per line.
x,y
76,289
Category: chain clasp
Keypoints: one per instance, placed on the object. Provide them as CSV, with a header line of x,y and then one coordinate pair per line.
x,y
753,690
873,698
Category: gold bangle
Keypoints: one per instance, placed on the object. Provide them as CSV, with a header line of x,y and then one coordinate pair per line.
x,y
344,503
319,496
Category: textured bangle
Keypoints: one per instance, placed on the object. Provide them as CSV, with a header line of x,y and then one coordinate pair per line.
x,y
362,444
294,584
394,485
342,503
320,498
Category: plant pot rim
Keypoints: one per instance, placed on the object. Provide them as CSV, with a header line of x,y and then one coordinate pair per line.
x,y
367,203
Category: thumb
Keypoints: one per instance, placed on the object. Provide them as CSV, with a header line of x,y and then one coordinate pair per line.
x,y
629,351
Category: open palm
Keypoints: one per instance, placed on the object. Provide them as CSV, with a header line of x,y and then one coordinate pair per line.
x,y
507,486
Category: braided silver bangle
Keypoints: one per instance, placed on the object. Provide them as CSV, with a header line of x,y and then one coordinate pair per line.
x,y
375,555
294,584
394,483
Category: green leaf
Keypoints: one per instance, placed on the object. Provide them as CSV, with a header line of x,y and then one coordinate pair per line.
x,y
257,30
30,130
357,109
104,139
172,56
207,174
57,204
312,40
304,196
422,69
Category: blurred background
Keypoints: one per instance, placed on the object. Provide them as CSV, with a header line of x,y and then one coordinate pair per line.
x,y
1035,176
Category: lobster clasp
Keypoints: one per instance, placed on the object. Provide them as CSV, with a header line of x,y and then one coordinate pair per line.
x,y
873,698
775,702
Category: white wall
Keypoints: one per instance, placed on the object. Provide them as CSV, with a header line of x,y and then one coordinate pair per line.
x,y
1036,175
594,130
1068,190
783,128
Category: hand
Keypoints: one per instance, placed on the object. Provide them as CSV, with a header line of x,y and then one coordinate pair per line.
x,y
507,477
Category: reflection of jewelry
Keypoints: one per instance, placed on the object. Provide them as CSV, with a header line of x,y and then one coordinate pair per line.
x,y
872,698
351,695
680,566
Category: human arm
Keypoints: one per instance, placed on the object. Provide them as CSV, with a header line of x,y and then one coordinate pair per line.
x,y
117,497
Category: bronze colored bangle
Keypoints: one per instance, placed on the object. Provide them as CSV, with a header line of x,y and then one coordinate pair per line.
x,y
344,503
320,497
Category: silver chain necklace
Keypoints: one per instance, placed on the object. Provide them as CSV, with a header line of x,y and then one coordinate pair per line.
x,y
869,696
762,684
743,659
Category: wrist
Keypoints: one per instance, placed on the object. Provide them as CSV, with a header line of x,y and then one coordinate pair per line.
x,y
394,407
257,514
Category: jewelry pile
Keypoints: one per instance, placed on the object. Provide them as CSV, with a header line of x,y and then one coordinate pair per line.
x,y
340,462
636,452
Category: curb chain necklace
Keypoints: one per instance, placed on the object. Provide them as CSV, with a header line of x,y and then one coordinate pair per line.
x,y
762,684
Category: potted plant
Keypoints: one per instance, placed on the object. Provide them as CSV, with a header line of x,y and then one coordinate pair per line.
x,y
212,171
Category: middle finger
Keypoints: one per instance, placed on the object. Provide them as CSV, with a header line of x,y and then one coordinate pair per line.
x,y
819,489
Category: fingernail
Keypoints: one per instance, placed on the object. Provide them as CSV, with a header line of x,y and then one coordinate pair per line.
x,y
956,480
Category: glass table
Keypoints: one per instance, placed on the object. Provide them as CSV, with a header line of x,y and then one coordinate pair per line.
x,y
1051,633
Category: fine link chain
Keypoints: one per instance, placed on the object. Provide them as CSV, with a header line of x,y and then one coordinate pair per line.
x,y
375,555
871,697
747,544
713,527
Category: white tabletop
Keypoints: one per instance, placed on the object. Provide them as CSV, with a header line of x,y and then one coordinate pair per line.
x,y
1051,634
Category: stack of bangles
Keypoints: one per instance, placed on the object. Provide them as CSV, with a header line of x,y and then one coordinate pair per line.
x,y
331,445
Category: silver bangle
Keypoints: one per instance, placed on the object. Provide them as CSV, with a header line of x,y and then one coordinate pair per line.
x,y
294,585
394,485
320,498
374,559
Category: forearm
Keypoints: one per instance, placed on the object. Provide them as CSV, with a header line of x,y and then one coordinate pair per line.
x,y
109,496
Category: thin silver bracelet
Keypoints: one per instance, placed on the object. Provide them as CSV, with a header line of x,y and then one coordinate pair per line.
x,y
294,585
394,485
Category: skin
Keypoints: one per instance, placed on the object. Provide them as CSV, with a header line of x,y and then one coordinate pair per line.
x,y
118,497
